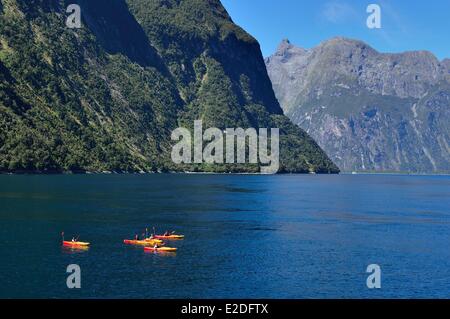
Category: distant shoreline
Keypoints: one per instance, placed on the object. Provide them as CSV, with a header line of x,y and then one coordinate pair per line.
x,y
157,173
37,173
395,174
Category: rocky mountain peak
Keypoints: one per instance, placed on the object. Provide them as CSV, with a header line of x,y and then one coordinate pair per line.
x,y
368,110
286,50
284,46
344,48
340,40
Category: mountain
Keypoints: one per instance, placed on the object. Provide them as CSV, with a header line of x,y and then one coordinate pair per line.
x,y
106,97
369,111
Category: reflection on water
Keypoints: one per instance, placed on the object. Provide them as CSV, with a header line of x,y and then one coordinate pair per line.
x,y
246,236
161,253
74,250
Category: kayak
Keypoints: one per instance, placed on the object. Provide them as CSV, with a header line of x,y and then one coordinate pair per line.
x,y
142,242
162,249
169,236
75,244
154,240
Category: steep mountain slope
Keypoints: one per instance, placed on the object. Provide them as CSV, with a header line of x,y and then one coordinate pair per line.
x,y
68,104
107,96
367,110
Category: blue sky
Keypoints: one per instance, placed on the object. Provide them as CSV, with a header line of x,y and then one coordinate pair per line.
x,y
406,24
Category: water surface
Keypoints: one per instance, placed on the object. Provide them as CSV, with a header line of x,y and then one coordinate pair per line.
x,y
289,236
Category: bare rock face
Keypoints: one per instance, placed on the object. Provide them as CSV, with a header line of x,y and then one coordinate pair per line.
x,y
368,110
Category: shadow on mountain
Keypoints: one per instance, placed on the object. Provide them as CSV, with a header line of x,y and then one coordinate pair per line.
x,y
8,95
117,31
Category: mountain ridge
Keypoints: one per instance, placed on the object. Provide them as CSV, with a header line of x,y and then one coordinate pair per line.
x,y
106,97
287,44
369,111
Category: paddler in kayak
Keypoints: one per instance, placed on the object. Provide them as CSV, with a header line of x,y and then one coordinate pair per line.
x,y
74,243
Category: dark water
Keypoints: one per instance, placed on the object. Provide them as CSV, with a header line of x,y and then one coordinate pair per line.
x,y
246,236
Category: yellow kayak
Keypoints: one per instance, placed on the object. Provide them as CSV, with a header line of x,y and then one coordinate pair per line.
x,y
169,236
162,249
143,242
154,240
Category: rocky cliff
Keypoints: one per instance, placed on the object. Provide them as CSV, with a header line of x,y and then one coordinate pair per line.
x,y
369,111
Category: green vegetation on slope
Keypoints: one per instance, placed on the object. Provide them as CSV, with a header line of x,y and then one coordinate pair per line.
x,y
106,97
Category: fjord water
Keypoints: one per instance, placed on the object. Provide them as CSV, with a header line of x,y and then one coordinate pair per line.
x,y
289,236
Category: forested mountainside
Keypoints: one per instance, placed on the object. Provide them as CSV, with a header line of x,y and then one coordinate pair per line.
x,y
106,97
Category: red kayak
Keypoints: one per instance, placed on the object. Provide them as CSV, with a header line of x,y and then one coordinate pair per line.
x,y
76,244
